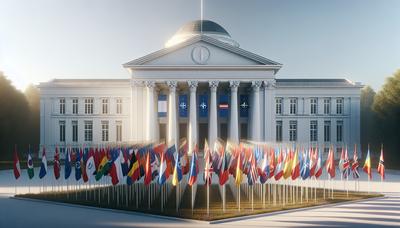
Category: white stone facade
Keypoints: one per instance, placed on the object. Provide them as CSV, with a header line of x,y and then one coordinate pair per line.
x,y
201,64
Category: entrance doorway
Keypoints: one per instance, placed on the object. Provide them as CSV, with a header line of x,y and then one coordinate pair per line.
x,y
203,134
223,131
163,132
183,129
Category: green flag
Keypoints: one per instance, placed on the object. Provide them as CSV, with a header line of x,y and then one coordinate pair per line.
x,y
30,167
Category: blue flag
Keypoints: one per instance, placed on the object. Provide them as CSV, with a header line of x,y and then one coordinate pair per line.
x,y
78,172
305,168
244,106
183,106
203,105
67,166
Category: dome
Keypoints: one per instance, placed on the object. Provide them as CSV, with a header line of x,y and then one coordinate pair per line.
x,y
201,27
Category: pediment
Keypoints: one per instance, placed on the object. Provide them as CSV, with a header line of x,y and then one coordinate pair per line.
x,y
201,51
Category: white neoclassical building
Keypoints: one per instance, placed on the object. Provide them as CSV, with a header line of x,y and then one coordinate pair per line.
x,y
201,85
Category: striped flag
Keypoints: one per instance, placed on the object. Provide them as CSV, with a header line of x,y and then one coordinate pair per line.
x,y
17,167
367,165
207,164
381,165
355,164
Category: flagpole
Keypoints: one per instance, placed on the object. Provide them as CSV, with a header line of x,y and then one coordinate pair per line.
x,y
208,199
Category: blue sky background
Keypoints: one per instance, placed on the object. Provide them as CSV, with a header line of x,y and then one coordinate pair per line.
x,y
45,39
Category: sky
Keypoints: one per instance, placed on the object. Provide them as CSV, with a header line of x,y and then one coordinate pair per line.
x,y
45,39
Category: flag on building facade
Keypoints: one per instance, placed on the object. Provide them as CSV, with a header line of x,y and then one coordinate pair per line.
x,y
162,105
43,165
183,105
16,167
56,165
203,105
381,165
244,105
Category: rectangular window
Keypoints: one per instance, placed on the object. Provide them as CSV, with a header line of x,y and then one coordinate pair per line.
x,y
279,131
104,106
62,105
88,131
74,131
278,103
89,106
119,131
327,106
339,106
62,131
104,131
293,130
313,131
327,131
119,106
339,130
75,106
293,106
313,106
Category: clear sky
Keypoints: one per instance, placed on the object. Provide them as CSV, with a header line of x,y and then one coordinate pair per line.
x,y
45,39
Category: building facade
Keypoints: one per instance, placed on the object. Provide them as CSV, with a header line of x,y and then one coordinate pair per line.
x,y
202,85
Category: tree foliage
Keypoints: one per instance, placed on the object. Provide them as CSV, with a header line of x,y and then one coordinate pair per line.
x,y
19,123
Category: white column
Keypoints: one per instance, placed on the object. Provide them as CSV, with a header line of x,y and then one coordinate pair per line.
x,y
213,123
151,119
172,136
192,116
269,110
256,117
234,120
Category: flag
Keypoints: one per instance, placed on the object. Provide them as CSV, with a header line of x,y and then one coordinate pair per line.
x,y
148,173
252,175
272,163
238,174
193,170
264,171
295,166
203,105
116,168
207,164
183,105
367,165
163,170
330,164
104,166
346,165
78,171
244,105
67,166
381,165
90,165
355,164
17,167
287,168
177,174
56,166
162,105
31,173
279,170
43,165
313,160
223,105
134,170
83,155
318,167
305,168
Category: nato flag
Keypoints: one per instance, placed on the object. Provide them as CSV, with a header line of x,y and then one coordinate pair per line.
x,y
203,105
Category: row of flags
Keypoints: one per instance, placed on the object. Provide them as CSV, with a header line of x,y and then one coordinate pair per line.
x,y
157,162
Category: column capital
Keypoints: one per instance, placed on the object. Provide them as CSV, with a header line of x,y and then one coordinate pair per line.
x,y
234,84
256,85
136,83
269,84
213,85
193,85
172,85
150,84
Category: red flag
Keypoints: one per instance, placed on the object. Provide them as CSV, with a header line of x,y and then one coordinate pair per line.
x,y
17,168
330,164
147,174
56,165
83,167
381,165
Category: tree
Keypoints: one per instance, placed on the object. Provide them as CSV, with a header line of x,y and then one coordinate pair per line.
x,y
387,106
368,118
14,118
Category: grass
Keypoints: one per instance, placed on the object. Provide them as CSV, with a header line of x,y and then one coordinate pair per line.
x,y
136,198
